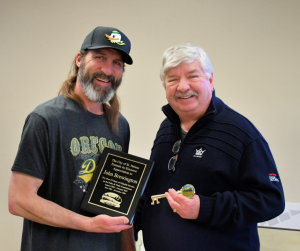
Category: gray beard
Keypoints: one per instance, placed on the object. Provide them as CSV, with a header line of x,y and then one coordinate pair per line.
x,y
96,96
102,94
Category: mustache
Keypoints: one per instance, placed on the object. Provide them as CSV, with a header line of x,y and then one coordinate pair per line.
x,y
114,83
103,76
188,93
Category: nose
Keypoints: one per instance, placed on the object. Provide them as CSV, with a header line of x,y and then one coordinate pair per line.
x,y
107,68
183,85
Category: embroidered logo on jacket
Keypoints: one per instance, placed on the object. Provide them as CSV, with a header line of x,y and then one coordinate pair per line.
x,y
272,177
199,153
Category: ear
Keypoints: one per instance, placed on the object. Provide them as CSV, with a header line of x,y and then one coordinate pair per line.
x,y
78,59
211,81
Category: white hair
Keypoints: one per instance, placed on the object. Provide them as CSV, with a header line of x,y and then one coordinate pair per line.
x,y
186,53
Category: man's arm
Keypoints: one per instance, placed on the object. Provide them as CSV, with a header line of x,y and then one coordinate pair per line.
x,y
25,202
256,198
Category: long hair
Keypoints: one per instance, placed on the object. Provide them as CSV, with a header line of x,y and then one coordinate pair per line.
x,y
111,108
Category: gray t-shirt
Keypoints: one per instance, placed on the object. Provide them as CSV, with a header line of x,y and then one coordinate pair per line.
x,y
183,133
61,144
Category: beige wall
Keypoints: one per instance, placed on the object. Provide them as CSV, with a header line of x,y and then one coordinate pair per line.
x,y
253,46
279,240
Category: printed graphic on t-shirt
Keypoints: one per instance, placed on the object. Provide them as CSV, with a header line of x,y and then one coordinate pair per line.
x,y
87,151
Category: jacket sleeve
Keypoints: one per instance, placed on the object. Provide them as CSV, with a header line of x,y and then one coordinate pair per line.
x,y
257,198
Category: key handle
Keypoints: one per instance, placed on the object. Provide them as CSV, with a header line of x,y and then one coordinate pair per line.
x,y
188,190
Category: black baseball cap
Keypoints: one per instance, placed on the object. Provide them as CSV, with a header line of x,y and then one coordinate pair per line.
x,y
108,37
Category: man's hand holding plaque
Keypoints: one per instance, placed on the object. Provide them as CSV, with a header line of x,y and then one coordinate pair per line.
x,y
117,185
107,224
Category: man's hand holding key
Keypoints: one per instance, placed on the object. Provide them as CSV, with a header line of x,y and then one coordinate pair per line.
x,y
184,202
187,208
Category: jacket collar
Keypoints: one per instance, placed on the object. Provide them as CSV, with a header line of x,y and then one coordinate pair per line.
x,y
174,118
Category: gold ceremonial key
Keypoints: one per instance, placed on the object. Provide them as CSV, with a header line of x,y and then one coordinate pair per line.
x,y
187,191
159,196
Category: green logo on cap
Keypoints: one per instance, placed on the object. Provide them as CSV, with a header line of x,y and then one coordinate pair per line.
x,y
115,37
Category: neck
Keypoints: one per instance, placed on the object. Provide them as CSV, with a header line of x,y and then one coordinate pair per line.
x,y
186,124
91,106
188,119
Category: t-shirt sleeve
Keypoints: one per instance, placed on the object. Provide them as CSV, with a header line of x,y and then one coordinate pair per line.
x,y
33,153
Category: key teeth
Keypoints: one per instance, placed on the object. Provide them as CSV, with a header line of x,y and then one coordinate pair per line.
x,y
153,201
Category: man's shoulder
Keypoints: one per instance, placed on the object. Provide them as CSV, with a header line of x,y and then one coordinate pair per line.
x,y
122,119
166,123
55,107
237,123
166,128
123,124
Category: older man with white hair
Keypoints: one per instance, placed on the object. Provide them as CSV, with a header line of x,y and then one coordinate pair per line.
x,y
216,151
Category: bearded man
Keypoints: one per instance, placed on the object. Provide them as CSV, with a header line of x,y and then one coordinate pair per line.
x,y
61,144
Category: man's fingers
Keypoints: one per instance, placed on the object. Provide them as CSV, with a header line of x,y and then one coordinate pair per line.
x,y
173,203
179,198
173,193
185,207
169,197
122,220
105,224
119,228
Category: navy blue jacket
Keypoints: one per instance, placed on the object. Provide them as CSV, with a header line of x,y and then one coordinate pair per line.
x,y
232,169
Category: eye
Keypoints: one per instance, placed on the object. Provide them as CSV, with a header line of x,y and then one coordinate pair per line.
x,y
118,63
172,81
100,57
